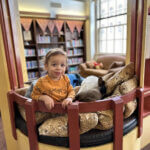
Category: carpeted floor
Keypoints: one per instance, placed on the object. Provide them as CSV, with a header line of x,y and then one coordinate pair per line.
x,y
2,138
146,147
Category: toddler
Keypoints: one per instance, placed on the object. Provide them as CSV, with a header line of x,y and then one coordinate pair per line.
x,y
55,86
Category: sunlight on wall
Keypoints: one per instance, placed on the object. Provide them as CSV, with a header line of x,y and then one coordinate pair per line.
x,y
68,7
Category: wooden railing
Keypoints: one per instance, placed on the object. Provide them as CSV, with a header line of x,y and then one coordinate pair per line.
x,y
73,110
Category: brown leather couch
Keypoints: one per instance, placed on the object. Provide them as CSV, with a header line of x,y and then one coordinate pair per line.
x,y
111,63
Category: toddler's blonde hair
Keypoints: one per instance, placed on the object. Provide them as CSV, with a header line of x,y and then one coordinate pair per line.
x,y
54,52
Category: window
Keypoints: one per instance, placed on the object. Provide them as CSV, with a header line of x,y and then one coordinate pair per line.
x,y
111,26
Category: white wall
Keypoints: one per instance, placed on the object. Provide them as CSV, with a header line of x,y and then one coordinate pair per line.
x,y
69,7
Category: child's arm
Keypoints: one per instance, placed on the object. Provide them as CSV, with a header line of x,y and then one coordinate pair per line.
x,y
67,102
48,101
71,94
38,95
37,92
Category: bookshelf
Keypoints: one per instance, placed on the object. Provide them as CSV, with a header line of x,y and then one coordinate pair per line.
x,y
42,35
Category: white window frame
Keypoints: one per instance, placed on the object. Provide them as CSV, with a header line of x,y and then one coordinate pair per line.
x,y
98,40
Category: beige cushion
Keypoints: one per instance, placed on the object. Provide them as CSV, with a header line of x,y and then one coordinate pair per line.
x,y
90,64
59,126
105,120
116,64
124,74
107,60
40,116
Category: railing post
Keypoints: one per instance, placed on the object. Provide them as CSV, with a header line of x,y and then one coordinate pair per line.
x,y
140,95
10,96
31,124
73,121
118,123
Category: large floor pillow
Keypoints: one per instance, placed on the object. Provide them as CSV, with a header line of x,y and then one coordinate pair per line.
x,y
89,91
93,137
121,76
58,126
105,118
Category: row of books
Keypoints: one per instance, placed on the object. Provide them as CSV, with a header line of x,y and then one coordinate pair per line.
x,y
74,43
74,35
43,51
75,51
72,61
73,69
48,39
41,63
32,75
43,39
29,52
31,64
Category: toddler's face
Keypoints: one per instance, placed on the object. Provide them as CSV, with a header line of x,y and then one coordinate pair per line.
x,y
56,66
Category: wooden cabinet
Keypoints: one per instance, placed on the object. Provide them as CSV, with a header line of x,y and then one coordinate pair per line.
x,y
42,35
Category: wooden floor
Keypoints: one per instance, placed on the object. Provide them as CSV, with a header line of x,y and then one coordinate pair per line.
x,y
3,143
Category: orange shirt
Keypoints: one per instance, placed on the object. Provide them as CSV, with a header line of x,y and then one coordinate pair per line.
x,y
57,90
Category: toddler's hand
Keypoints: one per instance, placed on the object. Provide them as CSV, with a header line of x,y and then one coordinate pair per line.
x,y
66,102
48,101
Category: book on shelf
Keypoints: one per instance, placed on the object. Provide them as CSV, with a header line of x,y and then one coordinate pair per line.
x,y
72,61
41,63
43,39
43,51
70,52
29,52
31,64
77,51
68,44
74,43
32,75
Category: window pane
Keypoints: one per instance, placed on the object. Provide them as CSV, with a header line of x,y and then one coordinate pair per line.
x,y
122,19
120,6
103,34
110,33
110,46
98,24
119,20
125,19
111,7
104,23
125,6
102,46
111,21
118,46
104,8
119,32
